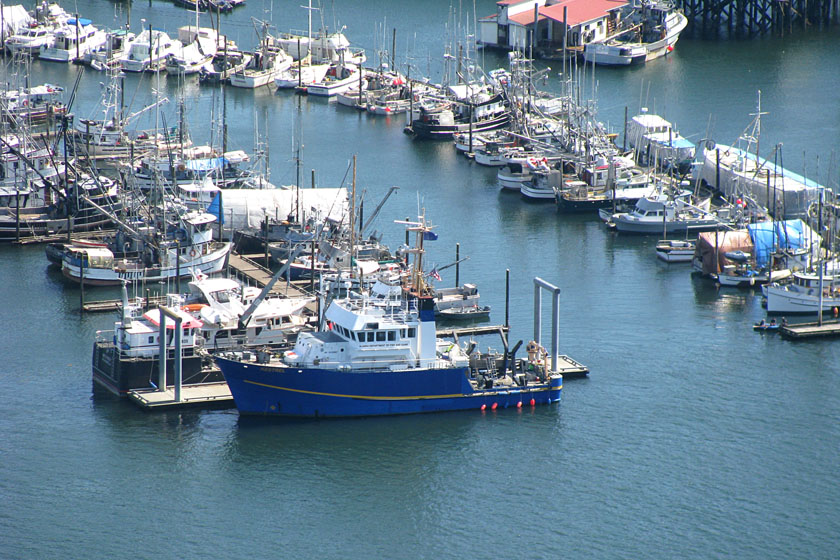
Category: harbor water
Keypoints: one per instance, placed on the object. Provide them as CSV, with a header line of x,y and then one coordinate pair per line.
x,y
693,436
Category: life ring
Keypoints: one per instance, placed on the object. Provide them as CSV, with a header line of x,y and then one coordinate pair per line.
x,y
192,252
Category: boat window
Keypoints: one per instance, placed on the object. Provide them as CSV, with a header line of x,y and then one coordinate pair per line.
x,y
151,339
380,336
392,336
412,332
370,337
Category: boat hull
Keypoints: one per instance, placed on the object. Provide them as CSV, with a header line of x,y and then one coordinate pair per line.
x,y
304,392
446,132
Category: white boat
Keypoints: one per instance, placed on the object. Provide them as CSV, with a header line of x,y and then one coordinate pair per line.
x,y
262,69
73,41
674,250
661,214
657,143
198,46
650,31
513,175
301,75
339,78
544,183
108,54
321,48
30,40
222,305
802,295
742,173
149,51
40,32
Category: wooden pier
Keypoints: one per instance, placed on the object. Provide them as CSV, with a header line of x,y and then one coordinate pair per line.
x,y
749,18
204,395
802,331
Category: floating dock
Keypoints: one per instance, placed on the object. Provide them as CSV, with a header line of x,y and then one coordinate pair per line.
x,y
204,395
811,330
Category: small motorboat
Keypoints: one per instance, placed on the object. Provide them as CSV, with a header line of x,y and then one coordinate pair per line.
x,y
763,325
467,312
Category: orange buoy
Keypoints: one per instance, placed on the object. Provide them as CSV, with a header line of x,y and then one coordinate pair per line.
x,y
494,406
193,307
483,407
519,404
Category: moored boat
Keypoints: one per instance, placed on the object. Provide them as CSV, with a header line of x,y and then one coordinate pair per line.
x,y
382,357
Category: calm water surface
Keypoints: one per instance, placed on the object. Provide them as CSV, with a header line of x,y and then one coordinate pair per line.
x,y
693,436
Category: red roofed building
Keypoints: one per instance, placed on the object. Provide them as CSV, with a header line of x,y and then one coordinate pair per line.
x,y
580,21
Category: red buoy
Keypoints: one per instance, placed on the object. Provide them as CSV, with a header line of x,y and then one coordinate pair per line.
x,y
494,406
533,402
519,404
483,407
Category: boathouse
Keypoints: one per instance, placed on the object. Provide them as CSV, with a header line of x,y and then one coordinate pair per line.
x,y
581,21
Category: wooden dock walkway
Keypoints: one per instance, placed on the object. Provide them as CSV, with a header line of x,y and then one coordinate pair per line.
x,y
205,395
802,331
246,268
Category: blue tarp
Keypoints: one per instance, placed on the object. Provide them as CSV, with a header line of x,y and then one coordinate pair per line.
x,y
203,165
215,208
768,236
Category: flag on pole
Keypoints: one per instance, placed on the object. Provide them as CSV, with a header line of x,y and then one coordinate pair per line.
x,y
435,274
430,236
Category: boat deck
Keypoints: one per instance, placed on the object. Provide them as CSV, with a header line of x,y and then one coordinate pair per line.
x,y
203,395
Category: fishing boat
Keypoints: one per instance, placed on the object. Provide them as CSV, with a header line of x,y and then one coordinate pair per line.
x,y
740,172
128,357
675,250
184,247
649,31
474,108
73,41
31,106
808,292
376,356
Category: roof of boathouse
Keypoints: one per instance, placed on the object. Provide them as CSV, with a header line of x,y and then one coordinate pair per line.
x,y
577,11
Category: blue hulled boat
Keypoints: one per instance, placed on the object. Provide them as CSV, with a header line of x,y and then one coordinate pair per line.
x,y
381,355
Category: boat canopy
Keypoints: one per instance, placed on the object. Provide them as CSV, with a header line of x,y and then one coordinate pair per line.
x,y
712,246
787,234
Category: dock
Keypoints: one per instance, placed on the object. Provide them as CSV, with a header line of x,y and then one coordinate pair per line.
x,y
810,330
204,395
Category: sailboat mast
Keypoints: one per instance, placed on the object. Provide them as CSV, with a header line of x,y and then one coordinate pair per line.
x,y
353,217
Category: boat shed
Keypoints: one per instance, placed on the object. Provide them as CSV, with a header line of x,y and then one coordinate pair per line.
x,y
580,21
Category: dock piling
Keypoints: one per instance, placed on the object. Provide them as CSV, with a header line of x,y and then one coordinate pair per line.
x,y
540,284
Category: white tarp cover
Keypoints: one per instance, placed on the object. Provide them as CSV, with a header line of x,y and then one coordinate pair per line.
x,y
14,18
247,208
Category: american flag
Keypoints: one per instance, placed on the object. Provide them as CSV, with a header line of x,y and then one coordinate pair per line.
x,y
434,274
